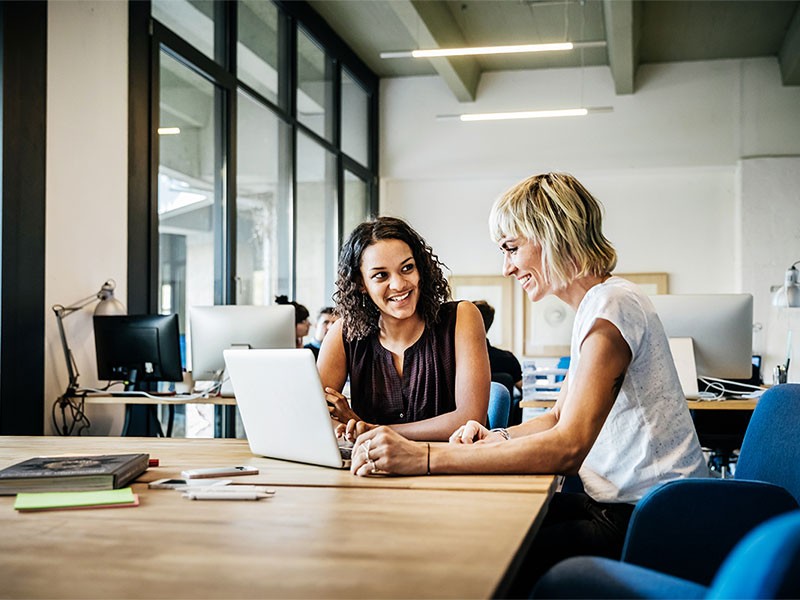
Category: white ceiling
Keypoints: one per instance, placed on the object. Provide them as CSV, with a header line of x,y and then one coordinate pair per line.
x,y
635,31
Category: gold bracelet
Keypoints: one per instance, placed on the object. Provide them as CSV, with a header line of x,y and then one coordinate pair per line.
x,y
429,457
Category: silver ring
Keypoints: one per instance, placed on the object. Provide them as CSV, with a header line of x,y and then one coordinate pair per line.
x,y
373,469
367,446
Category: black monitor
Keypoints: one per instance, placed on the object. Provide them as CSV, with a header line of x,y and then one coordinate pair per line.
x,y
138,349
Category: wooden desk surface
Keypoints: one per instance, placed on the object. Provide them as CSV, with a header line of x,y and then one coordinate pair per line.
x,y
166,400
176,455
749,404
308,541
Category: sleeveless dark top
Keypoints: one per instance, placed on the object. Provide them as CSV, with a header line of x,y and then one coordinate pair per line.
x,y
427,388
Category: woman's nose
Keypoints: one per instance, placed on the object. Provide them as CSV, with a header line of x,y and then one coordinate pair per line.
x,y
508,266
396,281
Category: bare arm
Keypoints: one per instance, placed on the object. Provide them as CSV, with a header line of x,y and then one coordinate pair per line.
x,y
579,415
332,366
472,381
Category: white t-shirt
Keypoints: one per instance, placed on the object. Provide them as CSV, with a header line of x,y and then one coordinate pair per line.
x,y
648,437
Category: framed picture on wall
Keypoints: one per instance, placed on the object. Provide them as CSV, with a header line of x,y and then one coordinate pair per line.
x,y
651,283
548,327
497,291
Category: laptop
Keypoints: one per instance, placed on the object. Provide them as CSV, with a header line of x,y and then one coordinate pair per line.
x,y
283,407
682,349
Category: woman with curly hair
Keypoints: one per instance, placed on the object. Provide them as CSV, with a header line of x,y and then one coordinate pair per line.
x,y
416,361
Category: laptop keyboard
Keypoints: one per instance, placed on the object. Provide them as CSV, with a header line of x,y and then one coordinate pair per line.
x,y
346,451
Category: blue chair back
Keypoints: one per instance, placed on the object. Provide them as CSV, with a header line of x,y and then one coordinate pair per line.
x,y
499,405
765,564
661,521
771,448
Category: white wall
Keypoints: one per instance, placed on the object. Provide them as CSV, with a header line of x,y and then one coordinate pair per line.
x,y
770,233
667,164
87,181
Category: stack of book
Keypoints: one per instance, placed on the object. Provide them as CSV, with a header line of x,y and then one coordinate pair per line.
x,y
72,473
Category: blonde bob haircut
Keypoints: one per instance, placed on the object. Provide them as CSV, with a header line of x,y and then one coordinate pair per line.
x,y
555,211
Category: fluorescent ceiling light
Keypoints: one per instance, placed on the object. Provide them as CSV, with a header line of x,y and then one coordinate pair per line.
x,y
528,114
438,52
169,130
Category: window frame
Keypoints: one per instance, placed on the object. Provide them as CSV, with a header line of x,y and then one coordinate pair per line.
x,y
147,38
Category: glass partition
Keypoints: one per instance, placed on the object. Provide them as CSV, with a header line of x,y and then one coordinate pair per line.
x,y
314,86
355,119
317,224
258,61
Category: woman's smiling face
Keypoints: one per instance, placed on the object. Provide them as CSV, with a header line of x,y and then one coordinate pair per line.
x,y
522,259
391,278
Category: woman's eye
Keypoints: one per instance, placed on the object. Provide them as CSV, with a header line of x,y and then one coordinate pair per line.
x,y
408,268
379,275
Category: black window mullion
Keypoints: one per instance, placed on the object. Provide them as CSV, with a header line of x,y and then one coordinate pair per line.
x,y
143,58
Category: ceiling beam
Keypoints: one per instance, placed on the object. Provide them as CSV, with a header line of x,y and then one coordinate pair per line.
x,y
789,55
622,36
430,23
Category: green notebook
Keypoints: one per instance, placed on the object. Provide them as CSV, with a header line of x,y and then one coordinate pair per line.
x,y
64,500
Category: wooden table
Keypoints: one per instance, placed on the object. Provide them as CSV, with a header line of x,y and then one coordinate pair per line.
x,y
748,404
325,534
150,404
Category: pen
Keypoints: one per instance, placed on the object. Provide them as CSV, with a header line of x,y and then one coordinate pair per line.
x,y
226,489
226,495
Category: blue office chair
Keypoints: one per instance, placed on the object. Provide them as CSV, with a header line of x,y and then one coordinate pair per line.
x,y
499,405
686,528
765,564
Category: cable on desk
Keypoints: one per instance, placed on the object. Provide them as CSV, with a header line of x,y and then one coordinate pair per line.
x,y
718,386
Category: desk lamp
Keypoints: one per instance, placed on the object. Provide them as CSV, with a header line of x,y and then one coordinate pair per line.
x,y
108,305
788,295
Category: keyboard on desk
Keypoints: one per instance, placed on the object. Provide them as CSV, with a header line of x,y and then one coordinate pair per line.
x,y
346,450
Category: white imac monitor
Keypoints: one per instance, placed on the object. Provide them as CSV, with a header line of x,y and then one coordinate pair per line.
x,y
217,328
721,329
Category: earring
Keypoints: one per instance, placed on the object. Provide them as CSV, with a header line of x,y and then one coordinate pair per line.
x,y
363,301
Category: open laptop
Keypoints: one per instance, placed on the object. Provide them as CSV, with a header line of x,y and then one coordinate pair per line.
x,y
682,349
283,407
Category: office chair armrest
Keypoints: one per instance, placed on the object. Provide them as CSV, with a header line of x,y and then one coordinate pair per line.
x,y
687,527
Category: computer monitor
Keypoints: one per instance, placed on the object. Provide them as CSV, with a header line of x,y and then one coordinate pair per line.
x,y
138,349
216,328
720,326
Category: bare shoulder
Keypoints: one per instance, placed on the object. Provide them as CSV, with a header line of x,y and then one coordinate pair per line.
x,y
469,320
467,310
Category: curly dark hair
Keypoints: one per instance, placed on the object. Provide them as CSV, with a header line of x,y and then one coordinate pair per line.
x,y
356,308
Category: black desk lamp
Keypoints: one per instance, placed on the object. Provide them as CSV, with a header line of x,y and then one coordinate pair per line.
x,y
108,305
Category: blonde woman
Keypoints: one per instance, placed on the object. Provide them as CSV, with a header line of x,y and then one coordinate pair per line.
x,y
620,422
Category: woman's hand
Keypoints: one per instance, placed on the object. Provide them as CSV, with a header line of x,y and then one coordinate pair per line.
x,y
339,407
473,432
352,429
383,451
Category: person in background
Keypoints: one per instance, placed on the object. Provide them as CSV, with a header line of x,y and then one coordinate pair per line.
x,y
301,322
325,318
416,361
620,421
500,361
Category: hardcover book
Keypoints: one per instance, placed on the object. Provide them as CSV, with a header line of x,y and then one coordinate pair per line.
x,y
72,473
